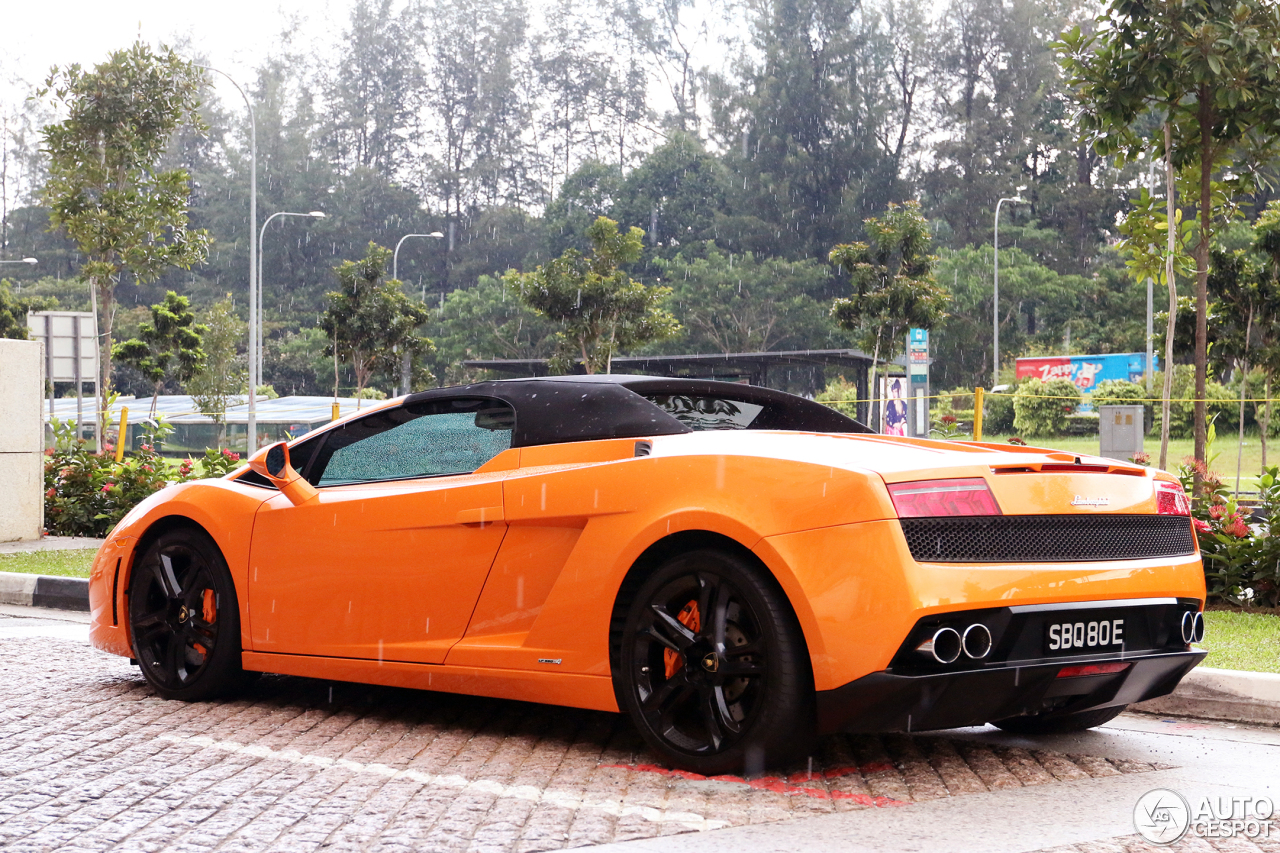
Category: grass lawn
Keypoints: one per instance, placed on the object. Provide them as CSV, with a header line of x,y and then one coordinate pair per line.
x,y
1224,464
71,563
1235,640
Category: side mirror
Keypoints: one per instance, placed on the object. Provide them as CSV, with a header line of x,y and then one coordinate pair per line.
x,y
272,462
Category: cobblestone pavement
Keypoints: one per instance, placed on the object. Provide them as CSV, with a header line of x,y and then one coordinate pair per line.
x,y
91,760
1136,844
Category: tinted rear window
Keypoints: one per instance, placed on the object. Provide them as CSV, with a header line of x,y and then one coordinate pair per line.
x,y
703,412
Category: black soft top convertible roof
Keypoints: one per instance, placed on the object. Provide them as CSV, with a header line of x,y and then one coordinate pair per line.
x,y
556,409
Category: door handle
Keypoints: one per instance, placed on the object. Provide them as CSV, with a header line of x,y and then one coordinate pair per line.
x,y
480,515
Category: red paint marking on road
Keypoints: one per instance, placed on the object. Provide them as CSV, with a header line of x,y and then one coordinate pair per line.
x,y
782,786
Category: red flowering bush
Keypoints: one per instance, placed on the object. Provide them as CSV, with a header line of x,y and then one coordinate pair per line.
x,y
1241,556
86,493
216,463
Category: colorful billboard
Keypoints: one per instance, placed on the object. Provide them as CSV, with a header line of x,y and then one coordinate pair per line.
x,y
1086,371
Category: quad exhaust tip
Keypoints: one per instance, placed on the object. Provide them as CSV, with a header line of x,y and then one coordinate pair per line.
x,y
1192,627
977,641
947,644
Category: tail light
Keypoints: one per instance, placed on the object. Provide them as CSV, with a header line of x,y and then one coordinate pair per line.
x,y
1171,499
1092,669
933,498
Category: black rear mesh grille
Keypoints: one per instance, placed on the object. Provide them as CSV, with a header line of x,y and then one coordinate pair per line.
x,y
1047,538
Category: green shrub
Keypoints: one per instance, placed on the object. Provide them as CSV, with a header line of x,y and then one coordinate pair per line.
x,y
1222,409
1122,392
1042,408
1084,423
87,493
840,389
997,413
1255,414
1117,392
956,404
1241,557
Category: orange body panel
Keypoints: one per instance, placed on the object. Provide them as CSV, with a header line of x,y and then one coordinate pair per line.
x,y
862,608
503,582
226,512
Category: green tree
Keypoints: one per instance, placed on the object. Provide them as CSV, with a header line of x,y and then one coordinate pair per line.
x,y
741,303
1163,255
1266,243
370,321
488,320
104,187
1037,309
222,375
1000,123
796,124
372,89
297,364
893,283
589,192
674,194
14,310
600,309
1208,69
170,346
477,60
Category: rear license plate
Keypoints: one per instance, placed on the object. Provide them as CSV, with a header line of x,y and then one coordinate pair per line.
x,y
1084,634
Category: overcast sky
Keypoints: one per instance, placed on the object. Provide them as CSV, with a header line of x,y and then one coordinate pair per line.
x,y
234,34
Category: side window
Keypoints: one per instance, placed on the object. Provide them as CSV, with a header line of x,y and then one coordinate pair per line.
x,y
422,440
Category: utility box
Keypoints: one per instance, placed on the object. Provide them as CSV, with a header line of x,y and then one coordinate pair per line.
x,y
1120,431
21,440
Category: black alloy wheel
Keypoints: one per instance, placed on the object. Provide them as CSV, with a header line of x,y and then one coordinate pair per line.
x,y
184,618
713,668
1056,724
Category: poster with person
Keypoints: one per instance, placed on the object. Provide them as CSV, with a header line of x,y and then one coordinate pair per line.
x,y
893,392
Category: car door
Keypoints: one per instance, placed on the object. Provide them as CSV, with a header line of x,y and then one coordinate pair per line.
x,y
388,563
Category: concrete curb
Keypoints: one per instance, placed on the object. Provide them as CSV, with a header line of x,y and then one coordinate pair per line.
x,y
44,591
1222,694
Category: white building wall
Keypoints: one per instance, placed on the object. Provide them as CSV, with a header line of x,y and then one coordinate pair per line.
x,y
21,440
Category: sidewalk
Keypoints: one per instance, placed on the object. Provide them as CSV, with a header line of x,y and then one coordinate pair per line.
x,y
59,593
50,543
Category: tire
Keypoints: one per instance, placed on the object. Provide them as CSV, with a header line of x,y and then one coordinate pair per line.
x,y
712,667
184,618
1057,724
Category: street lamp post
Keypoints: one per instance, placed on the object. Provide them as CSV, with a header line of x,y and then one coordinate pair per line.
x,y
995,297
254,284
395,274
395,256
255,332
23,261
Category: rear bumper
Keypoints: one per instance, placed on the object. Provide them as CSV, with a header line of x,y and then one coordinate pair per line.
x,y
884,702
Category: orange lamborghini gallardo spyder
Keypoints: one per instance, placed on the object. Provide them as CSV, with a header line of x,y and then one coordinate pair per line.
x,y
735,568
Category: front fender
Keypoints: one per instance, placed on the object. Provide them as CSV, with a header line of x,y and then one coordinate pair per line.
x,y
224,509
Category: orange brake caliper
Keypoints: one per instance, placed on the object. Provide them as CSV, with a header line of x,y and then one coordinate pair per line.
x,y
209,614
689,618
